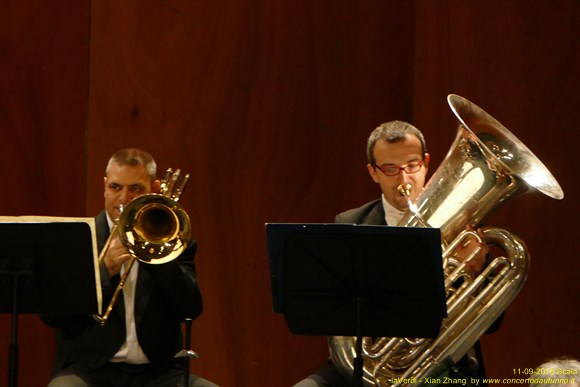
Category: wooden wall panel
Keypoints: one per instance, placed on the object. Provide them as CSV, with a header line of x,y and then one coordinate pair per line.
x,y
268,105
521,66
261,102
44,49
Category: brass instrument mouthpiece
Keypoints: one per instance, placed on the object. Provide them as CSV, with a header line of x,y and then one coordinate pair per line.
x,y
405,189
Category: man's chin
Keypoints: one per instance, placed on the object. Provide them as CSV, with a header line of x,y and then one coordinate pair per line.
x,y
403,207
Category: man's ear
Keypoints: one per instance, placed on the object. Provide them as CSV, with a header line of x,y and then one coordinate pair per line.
x,y
156,186
373,172
426,160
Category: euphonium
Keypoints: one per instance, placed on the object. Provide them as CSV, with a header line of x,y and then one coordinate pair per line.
x,y
153,227
485,167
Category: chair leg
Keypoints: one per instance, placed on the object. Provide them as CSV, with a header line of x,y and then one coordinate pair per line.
x,y
186,354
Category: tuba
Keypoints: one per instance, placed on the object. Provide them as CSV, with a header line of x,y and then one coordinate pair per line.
x,y
153,227
485,167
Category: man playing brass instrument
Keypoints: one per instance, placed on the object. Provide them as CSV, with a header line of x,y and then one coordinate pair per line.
x,y
397,155
138,344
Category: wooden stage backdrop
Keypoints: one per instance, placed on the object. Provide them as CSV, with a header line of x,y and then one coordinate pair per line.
x,y
267,104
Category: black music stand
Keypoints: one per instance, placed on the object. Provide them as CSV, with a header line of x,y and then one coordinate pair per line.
x,y
357,280
47,265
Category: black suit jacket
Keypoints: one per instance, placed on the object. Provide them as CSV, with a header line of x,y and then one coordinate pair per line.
x,y
165,295
371,213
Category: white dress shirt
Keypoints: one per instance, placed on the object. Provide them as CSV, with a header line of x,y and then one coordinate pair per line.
x,y
392,215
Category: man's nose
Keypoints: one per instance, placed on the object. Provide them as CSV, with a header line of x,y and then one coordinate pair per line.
x,y
403,176
125,196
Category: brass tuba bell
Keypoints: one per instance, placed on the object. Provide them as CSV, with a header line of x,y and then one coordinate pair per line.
x,y
154,228
485,167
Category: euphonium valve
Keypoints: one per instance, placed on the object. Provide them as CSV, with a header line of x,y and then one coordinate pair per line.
x,y
154,228
485,167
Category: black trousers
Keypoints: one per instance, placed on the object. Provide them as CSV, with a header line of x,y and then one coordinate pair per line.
x,y
124,375
463,373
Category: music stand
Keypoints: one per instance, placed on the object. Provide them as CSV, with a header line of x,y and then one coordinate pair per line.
x,y
47,265
357,280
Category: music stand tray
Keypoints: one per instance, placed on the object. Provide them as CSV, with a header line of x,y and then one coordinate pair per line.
x,y
357,280
319,272
59,256
48,265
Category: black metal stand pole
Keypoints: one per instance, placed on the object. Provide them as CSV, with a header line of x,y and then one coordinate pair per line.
x,y
13,351
358,361
188,322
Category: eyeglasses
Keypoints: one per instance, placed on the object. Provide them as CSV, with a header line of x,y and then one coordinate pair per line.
x,y
394,170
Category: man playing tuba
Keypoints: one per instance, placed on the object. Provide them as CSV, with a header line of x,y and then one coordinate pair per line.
x,y
397,155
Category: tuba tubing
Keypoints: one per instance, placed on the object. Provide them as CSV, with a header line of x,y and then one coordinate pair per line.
x,y
485,167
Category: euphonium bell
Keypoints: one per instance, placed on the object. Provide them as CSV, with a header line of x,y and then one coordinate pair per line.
x,y
485,167
154,228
